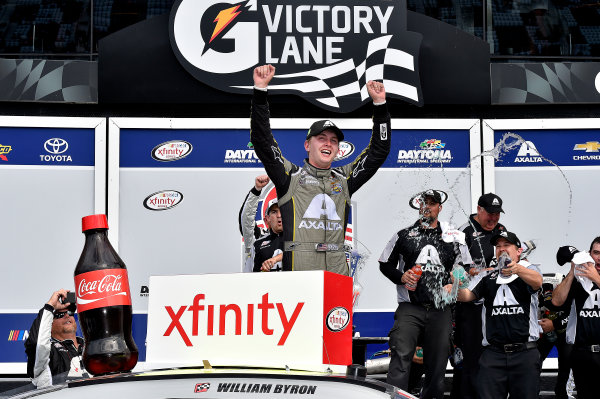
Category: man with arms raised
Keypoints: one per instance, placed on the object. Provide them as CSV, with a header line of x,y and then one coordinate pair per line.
x,y
581,288
314,198
510,362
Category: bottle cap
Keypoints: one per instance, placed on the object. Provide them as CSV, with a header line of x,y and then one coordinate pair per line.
x,y
93,222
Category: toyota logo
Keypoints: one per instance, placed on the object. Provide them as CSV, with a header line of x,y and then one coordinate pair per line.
x,y
56,145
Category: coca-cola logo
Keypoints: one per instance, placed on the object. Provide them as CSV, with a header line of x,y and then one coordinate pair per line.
x,y
171,151
100,288
337,319
108,284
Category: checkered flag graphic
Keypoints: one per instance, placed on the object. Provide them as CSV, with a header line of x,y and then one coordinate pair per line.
x,y
390,59
202,387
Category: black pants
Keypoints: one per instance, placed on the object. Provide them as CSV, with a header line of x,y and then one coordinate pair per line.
x,y
501,374
468,337
564,361
585,365
412,321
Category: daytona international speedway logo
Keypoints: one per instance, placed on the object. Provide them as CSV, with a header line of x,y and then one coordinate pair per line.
x,y
322,51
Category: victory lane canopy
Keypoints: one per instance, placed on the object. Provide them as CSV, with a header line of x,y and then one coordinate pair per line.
x,y
328,50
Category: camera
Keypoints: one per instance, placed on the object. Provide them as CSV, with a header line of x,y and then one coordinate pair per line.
x,y
70,298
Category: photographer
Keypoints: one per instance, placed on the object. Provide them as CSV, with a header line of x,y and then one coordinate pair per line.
x,y
53,350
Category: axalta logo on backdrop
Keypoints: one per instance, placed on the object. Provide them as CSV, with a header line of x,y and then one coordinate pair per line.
x,y
55,151
4,149
430,151
173,150
528,153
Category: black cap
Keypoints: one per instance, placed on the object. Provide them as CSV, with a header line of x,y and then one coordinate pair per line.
x,y
508,236
320,126
491,203
565,254
437,195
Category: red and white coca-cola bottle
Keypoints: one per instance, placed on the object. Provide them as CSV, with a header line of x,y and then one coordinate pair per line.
x,y
103,303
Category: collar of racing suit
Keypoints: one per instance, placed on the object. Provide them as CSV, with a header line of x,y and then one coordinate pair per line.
x,y
316,172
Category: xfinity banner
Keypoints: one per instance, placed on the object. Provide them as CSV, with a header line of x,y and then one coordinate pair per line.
x,y
322,51
302,320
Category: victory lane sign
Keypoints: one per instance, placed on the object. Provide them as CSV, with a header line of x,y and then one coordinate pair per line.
x,y
323,51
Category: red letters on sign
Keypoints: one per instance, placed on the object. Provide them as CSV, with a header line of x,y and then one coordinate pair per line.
x,y
232,310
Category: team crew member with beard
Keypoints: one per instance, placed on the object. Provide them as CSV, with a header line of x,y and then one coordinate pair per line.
x,y
510,362
581,288
268,250
53,350
314,199
419,316
481,226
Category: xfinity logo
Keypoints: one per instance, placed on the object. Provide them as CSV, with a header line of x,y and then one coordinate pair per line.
x,y
163,200
212,318
323,52
54,148
171,151
345,150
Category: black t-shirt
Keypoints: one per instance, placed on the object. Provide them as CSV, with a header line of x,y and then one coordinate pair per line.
x,y
510,310
478,241
583,327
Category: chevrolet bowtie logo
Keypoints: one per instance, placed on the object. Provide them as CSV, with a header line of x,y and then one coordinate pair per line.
x,y
590,146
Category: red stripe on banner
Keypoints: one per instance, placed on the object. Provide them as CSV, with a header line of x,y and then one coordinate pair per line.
x,y
15,335
349,229
337,319
348,238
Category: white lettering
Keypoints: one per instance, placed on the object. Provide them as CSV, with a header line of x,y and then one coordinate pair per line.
x,y
299,27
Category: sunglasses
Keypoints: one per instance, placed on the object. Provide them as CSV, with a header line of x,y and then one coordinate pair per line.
x,y
60,315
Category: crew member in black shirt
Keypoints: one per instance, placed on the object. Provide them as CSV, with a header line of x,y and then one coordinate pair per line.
x,y
510,362
479,229
419,313
581,288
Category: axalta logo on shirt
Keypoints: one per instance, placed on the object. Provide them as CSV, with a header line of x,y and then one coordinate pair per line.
x,y
590,146
4,149
528,153
241,156
206,316
55,151
321,206
430,151
505,303
591,307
